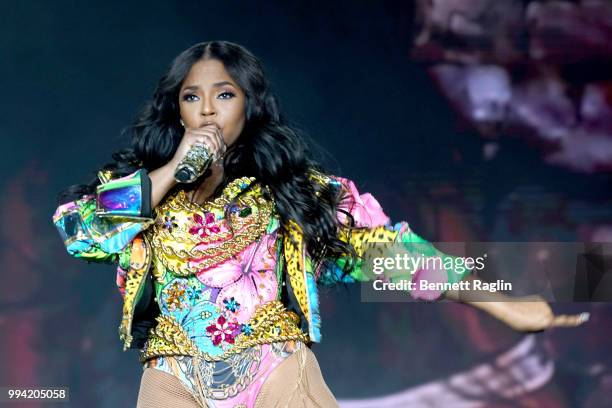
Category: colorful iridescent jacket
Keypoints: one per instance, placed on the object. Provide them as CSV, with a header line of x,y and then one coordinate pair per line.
x,y
117,225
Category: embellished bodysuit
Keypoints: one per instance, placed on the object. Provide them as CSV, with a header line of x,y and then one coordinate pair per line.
x,y
222,327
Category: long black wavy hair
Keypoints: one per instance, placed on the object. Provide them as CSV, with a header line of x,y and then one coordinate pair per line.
x,y
268,148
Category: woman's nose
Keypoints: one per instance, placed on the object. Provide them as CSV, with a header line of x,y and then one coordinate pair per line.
x,y
208,107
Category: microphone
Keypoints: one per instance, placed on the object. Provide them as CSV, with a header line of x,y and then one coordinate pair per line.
x,y
195,163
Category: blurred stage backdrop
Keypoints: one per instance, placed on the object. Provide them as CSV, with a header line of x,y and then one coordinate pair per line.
x,y
482,120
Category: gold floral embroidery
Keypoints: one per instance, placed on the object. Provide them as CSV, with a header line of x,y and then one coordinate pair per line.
x,y
185,253
173,297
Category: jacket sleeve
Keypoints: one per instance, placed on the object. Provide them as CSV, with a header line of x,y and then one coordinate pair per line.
x,y
374,226
98,227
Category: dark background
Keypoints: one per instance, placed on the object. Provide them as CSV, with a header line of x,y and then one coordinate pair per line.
x,y
72,74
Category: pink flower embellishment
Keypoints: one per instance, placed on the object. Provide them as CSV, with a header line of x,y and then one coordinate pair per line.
x,y
223,330
204,226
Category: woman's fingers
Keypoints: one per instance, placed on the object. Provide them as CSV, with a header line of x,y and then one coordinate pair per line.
x,y
570,320
205,140
211,136
202,141
532,313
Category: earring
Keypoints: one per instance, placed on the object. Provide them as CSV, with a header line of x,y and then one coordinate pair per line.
x,y
182,123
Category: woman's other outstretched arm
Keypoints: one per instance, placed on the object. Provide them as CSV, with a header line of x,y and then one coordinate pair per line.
x,y
524,313
529,313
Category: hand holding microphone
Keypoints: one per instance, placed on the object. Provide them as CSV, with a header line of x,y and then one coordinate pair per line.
x,y
197,151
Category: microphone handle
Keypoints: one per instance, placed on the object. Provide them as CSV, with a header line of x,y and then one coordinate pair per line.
x,y
195,163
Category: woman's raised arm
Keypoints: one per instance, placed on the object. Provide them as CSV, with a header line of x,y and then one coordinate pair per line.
x,y
162,180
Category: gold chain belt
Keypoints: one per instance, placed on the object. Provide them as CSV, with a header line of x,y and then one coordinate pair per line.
x,y
270,323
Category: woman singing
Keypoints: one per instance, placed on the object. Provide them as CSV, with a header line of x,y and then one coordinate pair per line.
x,y
219,274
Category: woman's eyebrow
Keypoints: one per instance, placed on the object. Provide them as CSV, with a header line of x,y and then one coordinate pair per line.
x,y
215,85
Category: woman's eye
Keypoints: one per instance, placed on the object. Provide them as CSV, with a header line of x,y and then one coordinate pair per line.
x,y
230,94
188,96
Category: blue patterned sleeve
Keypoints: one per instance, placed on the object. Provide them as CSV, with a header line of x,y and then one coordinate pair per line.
x,y
98,227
